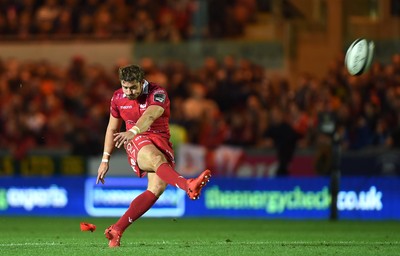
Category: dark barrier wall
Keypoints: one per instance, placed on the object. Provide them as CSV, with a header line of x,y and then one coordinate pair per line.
x,y
225,162
43,165
265,53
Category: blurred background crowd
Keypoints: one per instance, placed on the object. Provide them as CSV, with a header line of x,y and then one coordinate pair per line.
x,y
234,102
231,101
140,20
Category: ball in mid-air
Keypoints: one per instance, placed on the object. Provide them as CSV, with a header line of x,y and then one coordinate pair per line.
x,y
359,56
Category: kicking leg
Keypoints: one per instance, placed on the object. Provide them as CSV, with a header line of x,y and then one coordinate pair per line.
x,y
151,159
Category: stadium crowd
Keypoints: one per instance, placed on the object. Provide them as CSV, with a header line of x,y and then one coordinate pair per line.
x,y
230,101
234,102
140,20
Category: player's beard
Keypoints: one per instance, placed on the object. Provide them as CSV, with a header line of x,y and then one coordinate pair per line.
x,y
132,97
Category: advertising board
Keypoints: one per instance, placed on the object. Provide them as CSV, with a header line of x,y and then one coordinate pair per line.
x,y
359,198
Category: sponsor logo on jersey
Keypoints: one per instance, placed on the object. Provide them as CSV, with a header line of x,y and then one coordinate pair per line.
x,y
130,149
118,96
160,97
144,141
125,107
142,106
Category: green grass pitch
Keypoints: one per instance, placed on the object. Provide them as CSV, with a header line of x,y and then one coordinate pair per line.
x,y
226,237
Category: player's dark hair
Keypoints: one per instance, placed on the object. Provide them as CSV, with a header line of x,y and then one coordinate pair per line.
x,y
131,73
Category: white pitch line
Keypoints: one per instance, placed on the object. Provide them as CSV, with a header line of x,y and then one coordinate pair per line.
x,y
193,243
29,244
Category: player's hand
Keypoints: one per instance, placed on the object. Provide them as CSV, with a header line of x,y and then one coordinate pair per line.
x,y
121,138
101,172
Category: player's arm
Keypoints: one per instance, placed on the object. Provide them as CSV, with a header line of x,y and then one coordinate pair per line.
x,y
114,124
149,116
143,124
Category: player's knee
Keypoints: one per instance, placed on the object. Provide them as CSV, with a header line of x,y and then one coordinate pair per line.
x,y
157,188
157,160
150,160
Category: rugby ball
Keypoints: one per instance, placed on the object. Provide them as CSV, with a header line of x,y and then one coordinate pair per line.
x,y
359,56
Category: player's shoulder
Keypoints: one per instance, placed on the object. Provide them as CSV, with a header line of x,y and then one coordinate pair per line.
x,y
157,89
153,87
157,93
118,94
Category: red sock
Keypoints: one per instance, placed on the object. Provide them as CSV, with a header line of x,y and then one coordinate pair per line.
x,y
169,175
141,204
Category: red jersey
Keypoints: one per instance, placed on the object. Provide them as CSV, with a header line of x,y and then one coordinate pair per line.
x,y
131,110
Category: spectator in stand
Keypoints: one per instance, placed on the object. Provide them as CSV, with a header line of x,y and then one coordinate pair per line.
x,y
208,74
217,13
85,25
381,134
302,124
224,83
195,108
29,6
394,139
10,11
102,25
142,27
149,6
284,139
258,117
25,27
86,17
182,11
179,76
154,72
166,27
64,24
120,13
3,25
238,16
46,16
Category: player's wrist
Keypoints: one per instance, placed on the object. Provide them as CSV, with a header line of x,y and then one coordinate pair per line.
x,y
135,130
106,157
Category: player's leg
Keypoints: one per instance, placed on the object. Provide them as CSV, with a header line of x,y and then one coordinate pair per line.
x,y
137,208
143,202
150,158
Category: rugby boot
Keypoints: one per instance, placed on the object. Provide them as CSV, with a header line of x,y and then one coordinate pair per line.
x,y
113,236
87,227
195,185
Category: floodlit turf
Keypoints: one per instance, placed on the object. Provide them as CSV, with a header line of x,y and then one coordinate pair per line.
x,y
190,237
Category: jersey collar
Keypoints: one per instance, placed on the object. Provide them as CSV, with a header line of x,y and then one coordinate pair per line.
x,y
145,87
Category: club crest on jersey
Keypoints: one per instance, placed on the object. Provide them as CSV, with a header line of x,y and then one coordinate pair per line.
x,y
160,97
